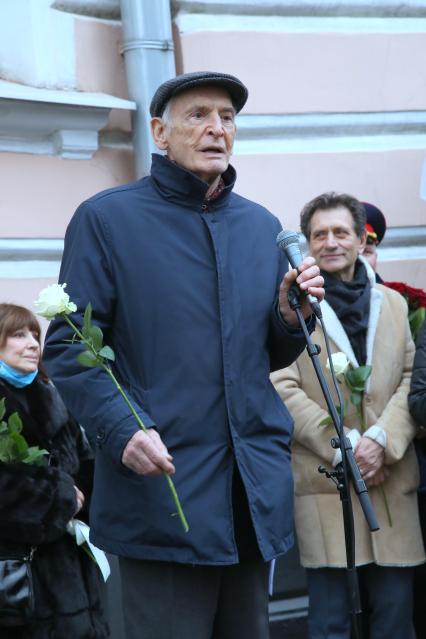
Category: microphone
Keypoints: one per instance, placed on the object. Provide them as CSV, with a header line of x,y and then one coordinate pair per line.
x,y
288,241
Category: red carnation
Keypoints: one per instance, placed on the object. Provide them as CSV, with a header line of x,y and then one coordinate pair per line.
x,y
416,297
416,300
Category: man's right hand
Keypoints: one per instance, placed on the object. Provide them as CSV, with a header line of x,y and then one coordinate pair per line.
x,y
146,454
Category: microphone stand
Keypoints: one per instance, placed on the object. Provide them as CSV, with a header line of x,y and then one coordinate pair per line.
x,y
344,472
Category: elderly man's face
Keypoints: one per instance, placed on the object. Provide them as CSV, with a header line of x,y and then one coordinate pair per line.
x,y
201,133
334,243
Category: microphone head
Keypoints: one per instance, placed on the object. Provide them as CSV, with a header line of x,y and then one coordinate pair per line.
x,y
286,238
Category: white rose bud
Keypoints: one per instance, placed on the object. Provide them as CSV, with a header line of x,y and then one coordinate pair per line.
x,y
53,301
340,363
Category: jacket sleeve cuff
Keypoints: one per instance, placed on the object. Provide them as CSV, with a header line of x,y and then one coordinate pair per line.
x,y
354,437
292,330
377,434
115,439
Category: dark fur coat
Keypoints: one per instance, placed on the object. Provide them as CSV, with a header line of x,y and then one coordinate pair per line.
x,y
36,503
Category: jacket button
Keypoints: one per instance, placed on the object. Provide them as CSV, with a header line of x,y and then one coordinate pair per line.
x,y
100,434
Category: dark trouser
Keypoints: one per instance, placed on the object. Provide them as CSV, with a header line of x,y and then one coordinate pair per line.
x,y
387,594
166,600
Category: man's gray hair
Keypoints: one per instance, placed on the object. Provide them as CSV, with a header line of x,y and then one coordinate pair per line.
x,y
167,113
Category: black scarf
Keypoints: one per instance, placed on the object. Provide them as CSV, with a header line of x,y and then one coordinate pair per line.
x,y
351,303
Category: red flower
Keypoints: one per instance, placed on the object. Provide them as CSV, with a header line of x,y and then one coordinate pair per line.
x,y
416,297
416,300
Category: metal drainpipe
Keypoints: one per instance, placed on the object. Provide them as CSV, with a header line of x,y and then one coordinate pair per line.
x,y
149,56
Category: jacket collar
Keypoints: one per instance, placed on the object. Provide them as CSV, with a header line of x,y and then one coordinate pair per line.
x,y
336,331
183,187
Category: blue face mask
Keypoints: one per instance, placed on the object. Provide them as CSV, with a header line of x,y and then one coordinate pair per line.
x,y
14,377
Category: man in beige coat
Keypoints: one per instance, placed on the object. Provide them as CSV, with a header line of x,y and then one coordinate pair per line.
x,y
367,322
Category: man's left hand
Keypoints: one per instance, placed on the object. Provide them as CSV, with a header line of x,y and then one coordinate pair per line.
x,y
309,279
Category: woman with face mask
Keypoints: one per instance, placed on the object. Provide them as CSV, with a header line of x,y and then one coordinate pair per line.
x,y
37,502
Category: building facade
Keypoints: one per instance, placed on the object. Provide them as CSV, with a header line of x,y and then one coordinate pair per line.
x,y
337,102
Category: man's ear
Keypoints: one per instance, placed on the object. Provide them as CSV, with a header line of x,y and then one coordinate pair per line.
x,y
159,133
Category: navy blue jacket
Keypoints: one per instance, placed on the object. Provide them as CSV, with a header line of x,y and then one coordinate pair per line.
x,y
185,296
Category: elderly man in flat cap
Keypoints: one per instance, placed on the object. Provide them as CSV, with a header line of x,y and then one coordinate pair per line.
x,y
187,283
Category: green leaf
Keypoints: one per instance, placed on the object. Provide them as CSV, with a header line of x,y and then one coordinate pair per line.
x,y
365,371
96,337
15,423
416,319
21,445
36,456
2,407
357,388
3,428
87,321
108,353
358,376
3,449
326,421
356,399
87,358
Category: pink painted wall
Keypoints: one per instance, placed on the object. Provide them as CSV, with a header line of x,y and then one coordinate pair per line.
x,y
411,271
99,64
389,179
314,72
24,292
53,189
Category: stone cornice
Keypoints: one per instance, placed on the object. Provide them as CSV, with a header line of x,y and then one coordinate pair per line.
x,y
307,8
104,9
110,9
52,122
34,258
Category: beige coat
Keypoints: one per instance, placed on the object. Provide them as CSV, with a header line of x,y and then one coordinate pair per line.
x,y
317,505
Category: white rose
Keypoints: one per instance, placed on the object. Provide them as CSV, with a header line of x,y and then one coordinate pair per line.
x,y
340,363
52,301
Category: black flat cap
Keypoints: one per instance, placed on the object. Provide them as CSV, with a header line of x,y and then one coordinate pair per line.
x,y
376,220
236,89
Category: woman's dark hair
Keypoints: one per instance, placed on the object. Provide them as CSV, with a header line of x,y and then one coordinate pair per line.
x,y
14,318
332,200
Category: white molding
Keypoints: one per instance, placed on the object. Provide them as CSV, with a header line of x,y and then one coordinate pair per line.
x,y
27,258
52,122
13,91
343,144
103,9
30,258
399,244
330,132
403,243
270,23
378,8
110,9
29,270
45,249
330,124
